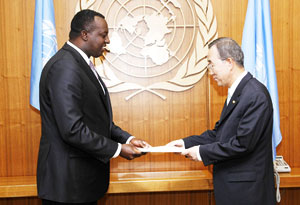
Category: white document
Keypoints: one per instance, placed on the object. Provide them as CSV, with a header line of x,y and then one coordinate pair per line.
x,y
162,149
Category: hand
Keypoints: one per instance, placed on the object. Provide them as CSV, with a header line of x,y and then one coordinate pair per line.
x,y
128,151
139,143
191,153
176,143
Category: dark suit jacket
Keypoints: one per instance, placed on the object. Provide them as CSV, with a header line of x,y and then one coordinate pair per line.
x,y
78,134
240,147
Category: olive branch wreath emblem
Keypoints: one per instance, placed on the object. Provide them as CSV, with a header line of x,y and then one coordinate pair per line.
x,y
188,74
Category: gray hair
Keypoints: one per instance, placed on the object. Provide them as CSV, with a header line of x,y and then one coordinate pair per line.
x,y
228,48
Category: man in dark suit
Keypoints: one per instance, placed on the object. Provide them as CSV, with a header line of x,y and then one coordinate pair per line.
x,y
240,145
78,134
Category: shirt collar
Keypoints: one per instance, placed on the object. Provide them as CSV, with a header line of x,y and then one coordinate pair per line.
x,y
236,83
84,56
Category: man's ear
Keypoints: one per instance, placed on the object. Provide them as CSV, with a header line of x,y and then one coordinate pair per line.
x,y
230,62
83,35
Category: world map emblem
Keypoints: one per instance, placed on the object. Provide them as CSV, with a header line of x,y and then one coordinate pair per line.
x,y
154,44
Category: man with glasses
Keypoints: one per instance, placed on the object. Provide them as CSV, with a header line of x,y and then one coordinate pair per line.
x,y
240,145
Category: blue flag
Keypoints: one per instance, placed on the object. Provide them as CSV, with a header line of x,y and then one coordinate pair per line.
x,y
257,45
44,45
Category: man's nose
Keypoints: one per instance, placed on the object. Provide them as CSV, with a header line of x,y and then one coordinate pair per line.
x,y
107,41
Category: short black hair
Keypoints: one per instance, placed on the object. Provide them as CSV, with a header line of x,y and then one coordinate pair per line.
x,y
82,21
228,48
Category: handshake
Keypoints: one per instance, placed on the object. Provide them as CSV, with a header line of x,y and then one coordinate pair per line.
x,y
137,148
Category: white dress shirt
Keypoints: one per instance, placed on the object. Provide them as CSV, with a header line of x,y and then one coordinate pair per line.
x,y
234,86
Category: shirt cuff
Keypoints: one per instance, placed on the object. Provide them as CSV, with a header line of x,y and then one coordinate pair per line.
x,y
182,142
117,153
198,154
130,138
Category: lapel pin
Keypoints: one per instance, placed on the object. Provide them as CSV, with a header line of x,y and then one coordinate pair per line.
x,y
233,101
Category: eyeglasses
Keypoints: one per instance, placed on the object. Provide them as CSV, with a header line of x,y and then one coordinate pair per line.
x,y
211,66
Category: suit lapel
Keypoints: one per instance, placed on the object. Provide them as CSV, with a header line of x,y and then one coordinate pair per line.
x,y
86,68
235,97
224,110
108,105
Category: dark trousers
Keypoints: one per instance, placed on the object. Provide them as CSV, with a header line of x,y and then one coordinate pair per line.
x,y
47,202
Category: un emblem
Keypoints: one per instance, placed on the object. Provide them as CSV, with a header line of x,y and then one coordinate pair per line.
x,y
155,45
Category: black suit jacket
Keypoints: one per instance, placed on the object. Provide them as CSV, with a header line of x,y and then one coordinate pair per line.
x,y
240,147
78,134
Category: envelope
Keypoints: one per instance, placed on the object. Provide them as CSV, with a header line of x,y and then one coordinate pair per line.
x,y
161,149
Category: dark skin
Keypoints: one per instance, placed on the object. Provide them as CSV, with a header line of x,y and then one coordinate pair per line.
x,y
93,43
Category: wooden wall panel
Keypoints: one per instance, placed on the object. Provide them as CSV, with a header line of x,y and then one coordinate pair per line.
x,y
145,116
294,69
19,124
285,20
174,198
21,201
290,196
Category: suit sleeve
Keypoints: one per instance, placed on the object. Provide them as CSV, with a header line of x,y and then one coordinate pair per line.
x,y
119,135
206,137
249,130
65,93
